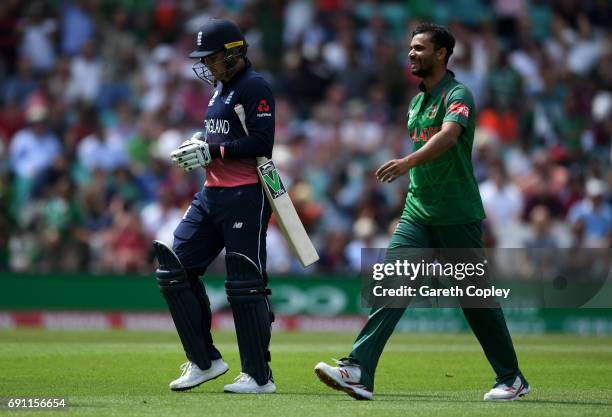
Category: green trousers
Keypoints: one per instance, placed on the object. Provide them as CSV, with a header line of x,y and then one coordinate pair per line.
x,y
488,324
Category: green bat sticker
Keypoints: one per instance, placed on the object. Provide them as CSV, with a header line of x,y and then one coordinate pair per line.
x,y
273,182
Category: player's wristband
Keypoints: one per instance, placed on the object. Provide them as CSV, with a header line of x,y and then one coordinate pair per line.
x,y
215,150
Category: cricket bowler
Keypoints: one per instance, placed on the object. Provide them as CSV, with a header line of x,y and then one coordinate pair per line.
x,y
230,212
443,210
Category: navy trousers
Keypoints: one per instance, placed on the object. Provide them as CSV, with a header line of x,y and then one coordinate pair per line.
x,y
232,217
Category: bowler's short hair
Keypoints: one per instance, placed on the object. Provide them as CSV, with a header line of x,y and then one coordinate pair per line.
x,y
440,36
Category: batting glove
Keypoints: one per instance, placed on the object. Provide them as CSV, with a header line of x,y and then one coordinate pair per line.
x,y
192,153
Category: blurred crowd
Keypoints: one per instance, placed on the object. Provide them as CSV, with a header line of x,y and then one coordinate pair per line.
x,y
95,95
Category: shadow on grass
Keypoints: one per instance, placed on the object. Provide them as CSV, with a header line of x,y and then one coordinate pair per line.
x,y
424,398
438,398
276,394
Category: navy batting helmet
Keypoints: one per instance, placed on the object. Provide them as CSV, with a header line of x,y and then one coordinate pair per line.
x,y
218,35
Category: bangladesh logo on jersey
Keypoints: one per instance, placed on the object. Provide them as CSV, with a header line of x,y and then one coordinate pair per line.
x,y
273,182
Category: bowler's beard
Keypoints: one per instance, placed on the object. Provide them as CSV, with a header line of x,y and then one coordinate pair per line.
x,y
423,71
424,67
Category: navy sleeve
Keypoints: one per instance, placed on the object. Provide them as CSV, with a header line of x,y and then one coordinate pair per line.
x,y
258,103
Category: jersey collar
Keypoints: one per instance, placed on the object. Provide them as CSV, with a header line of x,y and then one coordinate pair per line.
x,y
438,87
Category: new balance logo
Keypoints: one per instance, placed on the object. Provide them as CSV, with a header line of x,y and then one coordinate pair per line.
x,y
344,373
237,225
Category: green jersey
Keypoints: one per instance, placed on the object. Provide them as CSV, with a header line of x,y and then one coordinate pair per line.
x,y
443,191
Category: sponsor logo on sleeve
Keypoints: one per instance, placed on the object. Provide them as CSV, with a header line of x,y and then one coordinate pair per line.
x,y
459,109
263,106
263,109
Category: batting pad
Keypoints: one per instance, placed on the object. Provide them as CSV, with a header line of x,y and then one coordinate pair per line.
x,y
247,295
188,305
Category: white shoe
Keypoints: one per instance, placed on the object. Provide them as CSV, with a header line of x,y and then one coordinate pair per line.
x,y
245,384
503,392
192,376
344,377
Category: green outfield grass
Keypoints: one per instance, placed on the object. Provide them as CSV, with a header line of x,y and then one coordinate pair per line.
x,y
112,373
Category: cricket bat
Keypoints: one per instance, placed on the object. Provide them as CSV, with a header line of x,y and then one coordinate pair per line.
x,y
288,220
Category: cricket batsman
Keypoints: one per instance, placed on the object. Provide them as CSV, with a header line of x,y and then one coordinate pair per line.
x,y
443,210
231,212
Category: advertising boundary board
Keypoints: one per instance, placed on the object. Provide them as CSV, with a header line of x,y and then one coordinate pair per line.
x,y
322,303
